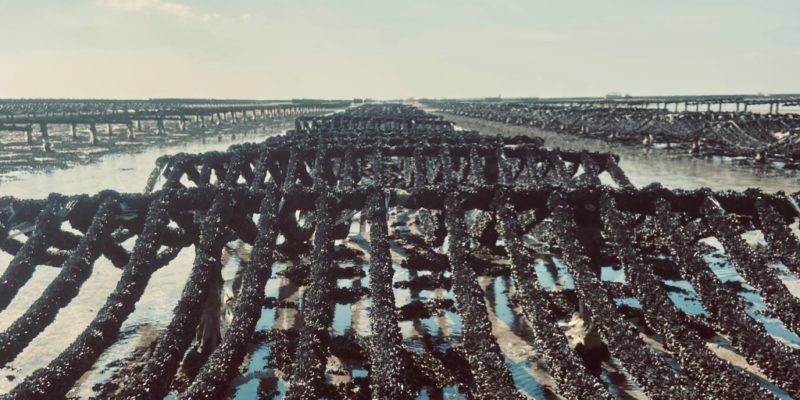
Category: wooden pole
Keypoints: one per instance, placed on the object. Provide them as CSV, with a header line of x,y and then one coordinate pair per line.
x,y
93,134
129,126
45,137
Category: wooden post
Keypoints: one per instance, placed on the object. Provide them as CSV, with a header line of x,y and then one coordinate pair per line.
x,y
138,125
110,129
160,126
647,141
777,108
695,149
761,156
720,107
45,137
93,134
29,134
129,125
737,106
745,107
74,130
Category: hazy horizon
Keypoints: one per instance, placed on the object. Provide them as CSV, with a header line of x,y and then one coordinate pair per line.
x,y
344,49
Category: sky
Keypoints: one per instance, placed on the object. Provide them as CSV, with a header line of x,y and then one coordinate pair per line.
x,y
279,49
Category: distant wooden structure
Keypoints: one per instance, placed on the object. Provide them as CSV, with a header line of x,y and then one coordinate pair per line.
x,y
24,115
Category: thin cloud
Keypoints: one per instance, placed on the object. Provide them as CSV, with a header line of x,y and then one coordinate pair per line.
x,y
210,17
159,6
169,8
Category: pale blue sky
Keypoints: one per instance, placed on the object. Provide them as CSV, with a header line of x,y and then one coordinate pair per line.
x,y
391,49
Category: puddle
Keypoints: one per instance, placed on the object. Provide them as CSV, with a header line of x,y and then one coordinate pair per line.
x,y
722,267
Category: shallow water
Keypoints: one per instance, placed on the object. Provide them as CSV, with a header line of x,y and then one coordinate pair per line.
x,y
672,169
121,172
724,269
129,172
